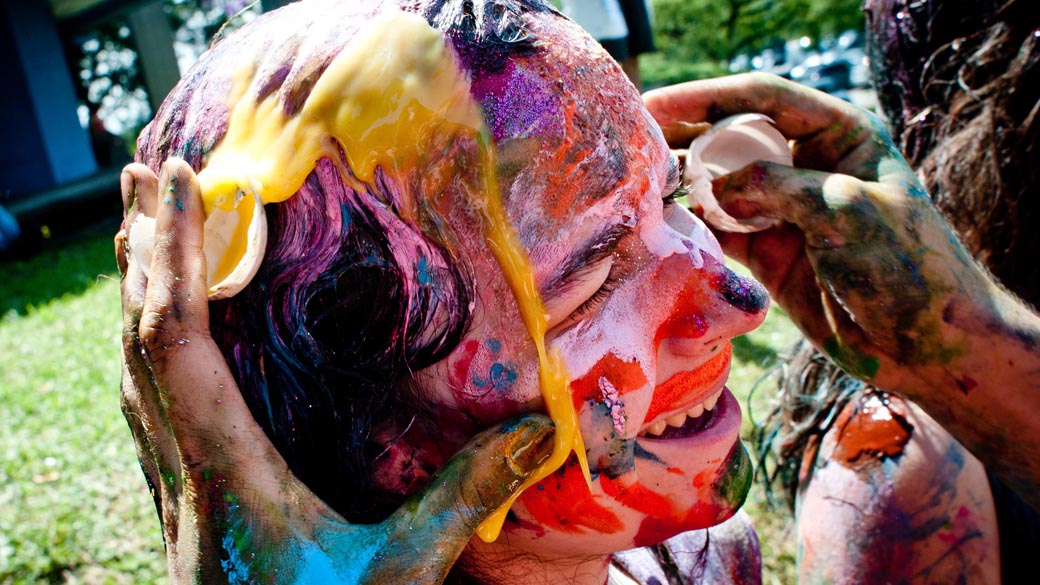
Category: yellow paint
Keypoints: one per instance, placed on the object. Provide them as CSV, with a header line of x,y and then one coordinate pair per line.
x,y
382,100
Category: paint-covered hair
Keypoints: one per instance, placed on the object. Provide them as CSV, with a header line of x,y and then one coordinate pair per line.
x,y
351,298
960,83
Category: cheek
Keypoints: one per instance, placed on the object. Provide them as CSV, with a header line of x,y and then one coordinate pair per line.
x,y
490,381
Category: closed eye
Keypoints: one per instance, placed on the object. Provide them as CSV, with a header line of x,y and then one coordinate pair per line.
x,y
587,282
598,298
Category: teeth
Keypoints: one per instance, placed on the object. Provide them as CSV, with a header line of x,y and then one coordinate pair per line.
x,y
712,400
677,420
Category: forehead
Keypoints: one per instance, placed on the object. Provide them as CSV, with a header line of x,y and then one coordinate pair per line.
x,y
572,132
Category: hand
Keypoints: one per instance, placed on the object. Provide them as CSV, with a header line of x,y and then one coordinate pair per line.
x,y
863,263
868,270
230,508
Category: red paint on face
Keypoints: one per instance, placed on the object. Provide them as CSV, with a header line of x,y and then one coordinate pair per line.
x,y
654,529
563,502
638,497
674,471
623,376
458,373
674,389
686,320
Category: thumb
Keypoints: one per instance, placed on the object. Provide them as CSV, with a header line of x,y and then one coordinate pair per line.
x,y
832,210
434,526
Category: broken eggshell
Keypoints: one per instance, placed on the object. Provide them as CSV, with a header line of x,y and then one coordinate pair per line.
x,y
233,242
731,144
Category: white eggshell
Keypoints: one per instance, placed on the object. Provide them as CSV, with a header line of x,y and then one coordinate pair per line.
x,y
142,242
218,231
730,145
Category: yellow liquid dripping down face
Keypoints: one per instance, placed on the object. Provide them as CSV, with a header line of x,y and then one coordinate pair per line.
x,y
381,101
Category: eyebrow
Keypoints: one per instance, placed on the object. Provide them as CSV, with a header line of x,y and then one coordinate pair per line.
x,y
598,248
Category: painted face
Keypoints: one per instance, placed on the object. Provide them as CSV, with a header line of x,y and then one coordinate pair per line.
x,y
641,307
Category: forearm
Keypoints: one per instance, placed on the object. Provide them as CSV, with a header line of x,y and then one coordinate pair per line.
x,y
986,392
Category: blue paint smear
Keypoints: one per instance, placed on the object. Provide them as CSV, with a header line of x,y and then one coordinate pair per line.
x,y
235,567
425,279
355,551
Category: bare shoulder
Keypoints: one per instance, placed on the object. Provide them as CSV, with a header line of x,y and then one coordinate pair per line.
x,y
893,498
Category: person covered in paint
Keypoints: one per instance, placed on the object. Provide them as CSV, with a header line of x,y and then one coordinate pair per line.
x,y
875,278
294,431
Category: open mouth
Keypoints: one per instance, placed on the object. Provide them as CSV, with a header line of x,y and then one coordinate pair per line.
x,y
684,424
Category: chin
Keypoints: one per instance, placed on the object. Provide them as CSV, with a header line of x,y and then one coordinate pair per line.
x,y
677,483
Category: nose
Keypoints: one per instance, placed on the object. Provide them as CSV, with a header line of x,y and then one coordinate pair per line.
x,y
711,303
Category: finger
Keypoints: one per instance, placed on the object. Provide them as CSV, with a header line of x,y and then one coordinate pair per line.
x,y
211,422
798,111
831,210
138,186
176,306
139,396
829,127
439,521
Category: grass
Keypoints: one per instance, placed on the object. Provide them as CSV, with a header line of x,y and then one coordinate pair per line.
x,y
73,503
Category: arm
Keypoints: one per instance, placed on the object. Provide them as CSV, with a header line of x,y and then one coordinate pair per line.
x,y
870,272
231,510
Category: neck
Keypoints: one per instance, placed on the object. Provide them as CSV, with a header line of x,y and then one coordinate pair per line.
x,y
499,562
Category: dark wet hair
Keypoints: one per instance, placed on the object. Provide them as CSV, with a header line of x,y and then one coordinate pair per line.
x,y
960,83
323,341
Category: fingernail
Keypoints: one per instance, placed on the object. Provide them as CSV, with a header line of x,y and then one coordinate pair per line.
x,y
532,442
128,190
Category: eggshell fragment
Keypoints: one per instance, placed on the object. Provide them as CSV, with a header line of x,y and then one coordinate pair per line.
x,y
220,233
730,145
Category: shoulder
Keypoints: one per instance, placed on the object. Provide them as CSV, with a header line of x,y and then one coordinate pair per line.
x,y
892,497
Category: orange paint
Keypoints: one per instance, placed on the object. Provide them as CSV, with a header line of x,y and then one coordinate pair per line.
x,y
623,376
874,426
670,395
637,497
563,502
675,471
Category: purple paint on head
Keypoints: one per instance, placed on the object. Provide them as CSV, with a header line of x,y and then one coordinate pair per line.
x,y
518,103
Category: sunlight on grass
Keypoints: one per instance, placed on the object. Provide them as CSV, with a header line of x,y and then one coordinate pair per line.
x,y
754,356
75,506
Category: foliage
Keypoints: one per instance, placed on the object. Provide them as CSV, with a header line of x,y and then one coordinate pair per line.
x,y
718,30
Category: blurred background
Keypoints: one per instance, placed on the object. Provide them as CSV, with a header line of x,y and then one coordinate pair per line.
x,y
81,78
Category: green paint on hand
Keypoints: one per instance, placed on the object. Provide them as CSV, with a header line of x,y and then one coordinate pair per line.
x,y
861,365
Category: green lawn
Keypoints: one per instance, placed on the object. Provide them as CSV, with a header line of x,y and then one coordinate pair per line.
x,y
73,503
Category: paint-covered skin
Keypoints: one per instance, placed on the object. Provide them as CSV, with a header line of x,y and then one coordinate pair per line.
x,y
640,305
892,498
641,308
231,510
870,272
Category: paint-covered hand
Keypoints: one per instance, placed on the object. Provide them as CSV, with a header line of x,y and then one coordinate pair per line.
x,y
859,257
231,510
